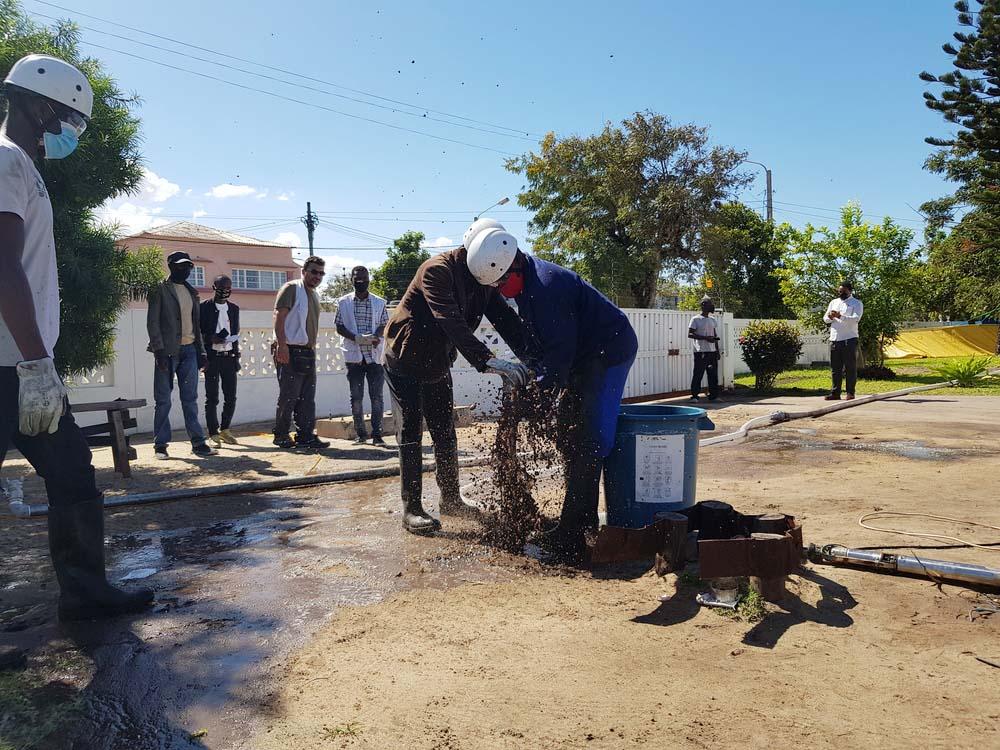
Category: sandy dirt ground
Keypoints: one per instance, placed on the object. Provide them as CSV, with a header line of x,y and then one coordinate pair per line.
x,y
566,659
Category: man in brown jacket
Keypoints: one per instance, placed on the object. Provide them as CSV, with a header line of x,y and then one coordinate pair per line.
x,y
435,320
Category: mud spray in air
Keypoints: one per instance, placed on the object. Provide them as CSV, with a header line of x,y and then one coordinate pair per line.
x,y
523,451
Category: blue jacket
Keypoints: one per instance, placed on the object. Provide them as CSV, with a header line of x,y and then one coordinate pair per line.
x,y
568,322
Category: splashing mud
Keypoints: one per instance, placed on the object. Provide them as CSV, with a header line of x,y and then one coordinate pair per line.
x,y
524,448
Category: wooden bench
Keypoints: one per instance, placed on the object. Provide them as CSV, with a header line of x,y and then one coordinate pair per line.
x,y
112,432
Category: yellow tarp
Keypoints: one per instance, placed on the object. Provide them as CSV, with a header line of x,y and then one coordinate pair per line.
x,y
946,341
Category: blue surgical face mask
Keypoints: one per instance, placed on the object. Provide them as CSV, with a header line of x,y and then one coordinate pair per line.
x,y
62,145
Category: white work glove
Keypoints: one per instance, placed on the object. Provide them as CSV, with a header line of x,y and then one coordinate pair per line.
x,y
365,338
41,397
513,373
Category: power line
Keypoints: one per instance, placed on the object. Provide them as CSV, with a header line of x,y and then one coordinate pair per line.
x,y
293,83
837,211
287,72
300,101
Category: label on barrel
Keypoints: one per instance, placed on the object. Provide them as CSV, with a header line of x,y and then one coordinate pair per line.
x,y
659,468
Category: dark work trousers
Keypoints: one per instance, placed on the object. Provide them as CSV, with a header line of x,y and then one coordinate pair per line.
x,y
62,459
417,402
221,366
374,373
297,393
706,363
844,358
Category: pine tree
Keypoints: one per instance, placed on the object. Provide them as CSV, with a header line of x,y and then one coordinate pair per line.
x,y
969,99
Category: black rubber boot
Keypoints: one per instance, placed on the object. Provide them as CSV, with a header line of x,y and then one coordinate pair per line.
x,y
567,541
76,543
446,472
415,519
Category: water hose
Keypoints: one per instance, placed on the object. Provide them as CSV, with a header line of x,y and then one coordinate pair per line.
x,y
778,417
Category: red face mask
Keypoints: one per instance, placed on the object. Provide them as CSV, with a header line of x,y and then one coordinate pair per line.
x,y
513,286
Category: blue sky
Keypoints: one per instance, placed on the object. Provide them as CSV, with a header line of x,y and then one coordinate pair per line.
x,y
824,93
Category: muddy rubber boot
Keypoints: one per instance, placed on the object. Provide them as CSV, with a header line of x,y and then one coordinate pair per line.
x,y
415,519
567,542
446,473
76,544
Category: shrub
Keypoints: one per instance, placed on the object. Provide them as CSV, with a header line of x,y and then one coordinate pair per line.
x,y
769,348
876,372
965,371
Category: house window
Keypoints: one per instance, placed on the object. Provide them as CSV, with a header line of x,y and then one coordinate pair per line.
x,y
198,277
251,278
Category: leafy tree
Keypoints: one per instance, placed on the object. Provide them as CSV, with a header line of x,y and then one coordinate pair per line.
x,y
740,257
336,287
401,263
625,205
875,258
968,258
96,279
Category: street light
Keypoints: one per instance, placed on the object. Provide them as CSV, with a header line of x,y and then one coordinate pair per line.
x,y
770,192
501,202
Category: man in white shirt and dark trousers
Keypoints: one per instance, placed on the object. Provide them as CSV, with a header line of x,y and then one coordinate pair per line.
x,y
704,330
220,331
842,315
48,104
361,321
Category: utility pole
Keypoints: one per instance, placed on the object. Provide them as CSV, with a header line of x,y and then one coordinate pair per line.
x,y
770,189
310,220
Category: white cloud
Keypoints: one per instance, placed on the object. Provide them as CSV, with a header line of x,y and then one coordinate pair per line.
x,y
261,194
155,188
187,193
229,190
284,196
199,213
131,218
289,238
439,242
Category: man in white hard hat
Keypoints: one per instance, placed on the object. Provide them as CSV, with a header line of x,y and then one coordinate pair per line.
x,y
48,104
436,319
581,348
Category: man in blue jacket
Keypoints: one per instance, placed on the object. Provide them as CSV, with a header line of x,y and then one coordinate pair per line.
x,y
583,348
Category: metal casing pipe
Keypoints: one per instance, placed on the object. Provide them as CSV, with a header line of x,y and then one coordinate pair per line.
x,y
909,564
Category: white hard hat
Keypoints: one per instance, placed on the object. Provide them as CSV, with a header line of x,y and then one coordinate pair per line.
x,y
478,226
55,79
491,254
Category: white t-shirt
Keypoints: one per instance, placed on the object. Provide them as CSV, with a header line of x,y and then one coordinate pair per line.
x,y
22,192
704,325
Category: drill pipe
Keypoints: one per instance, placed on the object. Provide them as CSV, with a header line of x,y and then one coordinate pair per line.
x,y
934,569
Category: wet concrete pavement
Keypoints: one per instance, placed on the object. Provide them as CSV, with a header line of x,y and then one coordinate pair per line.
x,y
240,583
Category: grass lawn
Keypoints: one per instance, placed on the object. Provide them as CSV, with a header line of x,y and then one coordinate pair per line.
x,y
807,381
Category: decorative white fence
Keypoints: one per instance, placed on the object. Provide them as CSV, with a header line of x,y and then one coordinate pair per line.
x,y
663,365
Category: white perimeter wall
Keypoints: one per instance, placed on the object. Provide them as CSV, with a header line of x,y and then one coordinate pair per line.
x,y
663,365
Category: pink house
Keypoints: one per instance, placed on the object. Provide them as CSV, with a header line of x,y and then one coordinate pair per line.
x,y
257,268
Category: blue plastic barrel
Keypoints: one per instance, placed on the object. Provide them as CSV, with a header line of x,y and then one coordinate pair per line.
x,y
654,464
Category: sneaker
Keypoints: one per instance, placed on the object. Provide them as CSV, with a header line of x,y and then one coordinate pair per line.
x,y
694,398
311,442
359,440
379,442
283,441
217,439
228,437
160,452
832,397
849,397
204,450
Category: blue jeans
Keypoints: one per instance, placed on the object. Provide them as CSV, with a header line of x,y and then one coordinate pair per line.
x,y
357,373
185,366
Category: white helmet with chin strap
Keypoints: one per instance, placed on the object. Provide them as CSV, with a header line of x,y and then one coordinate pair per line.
x,y
490,255
479,225
55,79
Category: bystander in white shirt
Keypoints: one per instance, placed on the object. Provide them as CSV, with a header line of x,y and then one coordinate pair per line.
x,y
845,326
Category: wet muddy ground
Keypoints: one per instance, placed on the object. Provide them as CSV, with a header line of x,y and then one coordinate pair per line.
x,y
286,619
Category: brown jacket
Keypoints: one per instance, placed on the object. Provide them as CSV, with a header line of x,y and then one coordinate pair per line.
x,y
441,309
